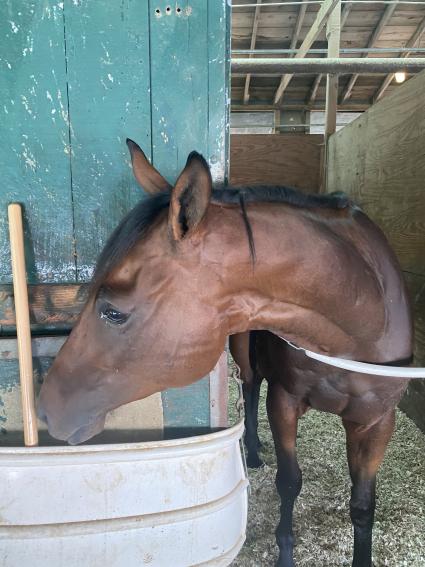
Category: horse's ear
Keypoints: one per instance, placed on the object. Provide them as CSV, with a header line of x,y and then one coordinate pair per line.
x,y
190,197
146,175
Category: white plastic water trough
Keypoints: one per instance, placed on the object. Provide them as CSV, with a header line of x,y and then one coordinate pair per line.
x,y
169,503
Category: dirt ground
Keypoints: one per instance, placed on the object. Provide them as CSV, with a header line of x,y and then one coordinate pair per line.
x,y
321,520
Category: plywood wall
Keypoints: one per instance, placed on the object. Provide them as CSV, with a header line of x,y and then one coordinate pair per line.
x,y
379,159
281,159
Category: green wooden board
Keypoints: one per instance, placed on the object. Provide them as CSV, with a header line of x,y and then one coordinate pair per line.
x,y
218,88
179,55
34,143
107,47
187,407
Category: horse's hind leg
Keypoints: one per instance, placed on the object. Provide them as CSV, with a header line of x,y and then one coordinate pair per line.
x,y
283,417
365,451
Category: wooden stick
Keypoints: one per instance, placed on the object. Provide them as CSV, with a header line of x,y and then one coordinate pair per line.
x,y
22,324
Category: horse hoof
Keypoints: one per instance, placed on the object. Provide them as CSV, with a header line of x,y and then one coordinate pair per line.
x,y
285,562
254,462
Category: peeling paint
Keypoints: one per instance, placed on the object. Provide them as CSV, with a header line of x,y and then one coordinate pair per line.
x,y
14,27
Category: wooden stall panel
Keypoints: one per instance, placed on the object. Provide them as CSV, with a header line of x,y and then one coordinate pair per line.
x,y
379,159
414,400
285,159
107,50
34,145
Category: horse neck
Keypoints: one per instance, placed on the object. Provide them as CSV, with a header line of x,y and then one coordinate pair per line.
x,y
311,282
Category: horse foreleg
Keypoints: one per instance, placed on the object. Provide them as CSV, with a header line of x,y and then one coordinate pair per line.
x,y
283,417
240,347
365,450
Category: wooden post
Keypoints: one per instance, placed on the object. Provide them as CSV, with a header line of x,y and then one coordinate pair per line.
x,y
333,34
313,93
22,324
253,40
317,26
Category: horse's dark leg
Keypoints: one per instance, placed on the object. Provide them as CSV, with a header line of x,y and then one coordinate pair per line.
x,y
256,388
251,394
283,417
365,450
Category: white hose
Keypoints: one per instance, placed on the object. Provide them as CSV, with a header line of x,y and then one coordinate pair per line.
x,y
366,368
362,367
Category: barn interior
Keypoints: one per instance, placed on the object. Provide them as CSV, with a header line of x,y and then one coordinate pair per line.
x,y
79,77
372,127
366,140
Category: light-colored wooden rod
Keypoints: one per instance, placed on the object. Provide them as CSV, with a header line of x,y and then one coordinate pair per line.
x,y
22,324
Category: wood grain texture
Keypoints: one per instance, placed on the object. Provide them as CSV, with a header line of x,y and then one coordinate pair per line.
x,y
379,159
107,51
34,145
50,304
22,324
413,402
285,159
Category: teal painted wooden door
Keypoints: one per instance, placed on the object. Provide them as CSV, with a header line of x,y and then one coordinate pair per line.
x,y
76,78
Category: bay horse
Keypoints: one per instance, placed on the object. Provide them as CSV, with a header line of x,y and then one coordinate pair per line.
x,y
191,265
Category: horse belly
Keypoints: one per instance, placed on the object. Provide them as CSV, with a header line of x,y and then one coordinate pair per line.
x,y
359,398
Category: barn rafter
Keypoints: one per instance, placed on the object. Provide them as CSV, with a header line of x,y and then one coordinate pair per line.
x,y
298,28
252,46
419,33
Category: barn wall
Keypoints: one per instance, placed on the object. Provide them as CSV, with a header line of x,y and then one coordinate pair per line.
x,y
284,159
379,159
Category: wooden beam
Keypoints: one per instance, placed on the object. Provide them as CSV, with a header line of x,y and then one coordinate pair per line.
x,y
51,305
298,26
321,19
385,18
314,89
297,29
313,93
252,46
332,65
333,35
411,43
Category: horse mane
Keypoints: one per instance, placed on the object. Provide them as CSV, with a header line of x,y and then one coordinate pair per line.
x,y
135,225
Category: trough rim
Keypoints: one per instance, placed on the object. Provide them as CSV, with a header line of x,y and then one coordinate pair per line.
x,y
194,442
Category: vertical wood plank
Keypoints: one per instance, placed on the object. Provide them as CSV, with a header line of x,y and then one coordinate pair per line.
x,y
179,67
107,47
189,66
218,88
34,146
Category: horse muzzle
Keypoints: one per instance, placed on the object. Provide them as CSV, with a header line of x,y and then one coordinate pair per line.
x,y
72,434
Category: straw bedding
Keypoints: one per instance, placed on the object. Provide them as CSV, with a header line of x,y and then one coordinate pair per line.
x,y
321,521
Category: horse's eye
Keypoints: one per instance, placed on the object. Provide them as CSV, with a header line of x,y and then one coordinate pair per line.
x,y
113,315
